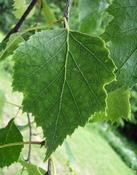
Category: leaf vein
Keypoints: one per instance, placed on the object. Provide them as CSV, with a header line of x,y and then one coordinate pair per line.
x,y
74,100
89,51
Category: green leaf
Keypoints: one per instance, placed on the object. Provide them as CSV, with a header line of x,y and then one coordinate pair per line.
x,y
9,136
62,75
2,102
47,11
93,16
31,168
19,7
118,107
122,36
12,44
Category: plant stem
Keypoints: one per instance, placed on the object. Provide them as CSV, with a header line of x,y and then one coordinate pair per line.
x,y
41,143
21,20
67,9
41,27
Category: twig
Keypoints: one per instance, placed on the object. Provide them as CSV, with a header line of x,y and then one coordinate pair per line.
x,y
21,20
49,166
17,112
13,104
30,136
67,9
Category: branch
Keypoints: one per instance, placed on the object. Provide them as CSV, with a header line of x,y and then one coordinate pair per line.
x,y
67,9
21,20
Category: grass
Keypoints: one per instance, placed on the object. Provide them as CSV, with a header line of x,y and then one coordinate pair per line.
x,y
92,155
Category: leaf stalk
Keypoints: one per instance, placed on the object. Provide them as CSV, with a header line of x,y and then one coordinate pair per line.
x,y
41,143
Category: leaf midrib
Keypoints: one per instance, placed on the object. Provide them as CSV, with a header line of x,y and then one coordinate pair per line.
x,y
62,91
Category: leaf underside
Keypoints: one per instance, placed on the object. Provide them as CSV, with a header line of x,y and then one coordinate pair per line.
x,y
62,76
9,135
118,107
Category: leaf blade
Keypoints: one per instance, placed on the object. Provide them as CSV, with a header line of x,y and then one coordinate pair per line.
x,y
9,135
64,96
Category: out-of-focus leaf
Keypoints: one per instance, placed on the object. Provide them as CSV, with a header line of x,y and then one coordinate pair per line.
x,y
2,102
12,44
121,35
31,168
48,13
93,16
118,107
19,7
